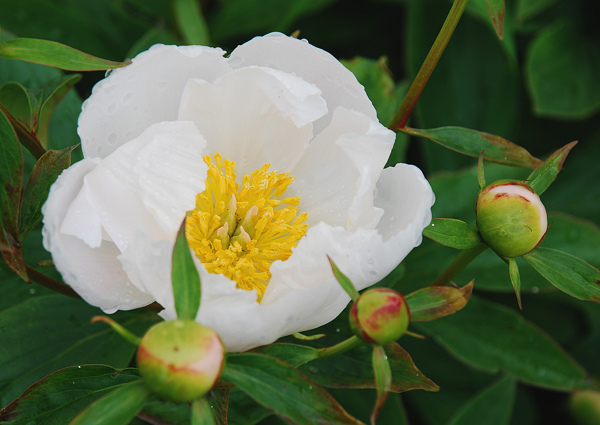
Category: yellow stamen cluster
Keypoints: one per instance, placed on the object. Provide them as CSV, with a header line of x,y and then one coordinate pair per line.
x,y
240,232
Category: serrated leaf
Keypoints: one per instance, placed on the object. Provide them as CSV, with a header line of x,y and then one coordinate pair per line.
x,y
504,341
118,407
568,273
186,279
472,143
434,302
451,232
344,282
11,182
496,11
543,176
492,406
57,398
191,23
54,54
282,389
201,412
383,379
16,99
44,174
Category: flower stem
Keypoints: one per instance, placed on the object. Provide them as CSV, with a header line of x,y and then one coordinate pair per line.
x,y
459,263
340,348
428,66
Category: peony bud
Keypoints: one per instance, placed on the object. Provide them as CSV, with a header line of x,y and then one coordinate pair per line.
x,y
180,360
511,218
380,316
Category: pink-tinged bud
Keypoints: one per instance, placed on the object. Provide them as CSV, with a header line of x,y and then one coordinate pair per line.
x,y
380,316
511,218
180,360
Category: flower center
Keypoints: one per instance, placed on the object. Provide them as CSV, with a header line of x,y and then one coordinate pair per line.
x,y
239,232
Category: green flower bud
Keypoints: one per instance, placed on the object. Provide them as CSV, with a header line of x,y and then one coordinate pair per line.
x,y
180,360
380,316
511,218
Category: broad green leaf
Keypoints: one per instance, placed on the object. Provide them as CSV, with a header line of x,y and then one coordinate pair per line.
x,y
496,11
24,135
383,379
57,398
45,333
546,173
453,233
16,99
118,407
527,9
472,143
568,273
243,410
515,278
493,406
561,69
11,182
45,172
284,390
504,341
54,54
219,404
191,23
51,95
354,370
160,411
186,279
201,412
344,282
293,354
434,302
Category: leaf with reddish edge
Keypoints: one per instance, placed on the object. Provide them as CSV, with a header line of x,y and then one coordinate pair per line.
x,y
472,142
11,176
292,354
54,54
383,379
283,390
431,303
452,232
44,174
26,138
496,11
566,272
543,176
219,401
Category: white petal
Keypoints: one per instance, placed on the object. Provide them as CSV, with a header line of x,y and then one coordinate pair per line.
x,y
94,273
254,116
337,175
146,92
298,57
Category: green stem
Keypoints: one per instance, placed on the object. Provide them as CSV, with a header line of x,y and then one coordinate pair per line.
x,y
410,100
459,263
340,348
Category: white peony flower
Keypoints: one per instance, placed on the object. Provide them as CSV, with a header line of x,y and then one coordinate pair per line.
x,y
291,117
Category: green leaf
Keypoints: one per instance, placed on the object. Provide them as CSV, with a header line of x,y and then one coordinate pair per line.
x,y
51,95
515,278
527,9
219,404
434,302
116,408
191,23
16,99
453,233
57,398
11,182
472,143
493,406
44,174
561,69
546,173
186,279
344,282
45,333
383,379
496,11
568,273
54,54
282,389
201,412
504,341
24,135
293,354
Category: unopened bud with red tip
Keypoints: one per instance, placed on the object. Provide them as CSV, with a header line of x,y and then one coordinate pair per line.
x,y
180,360
380,316
511,218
